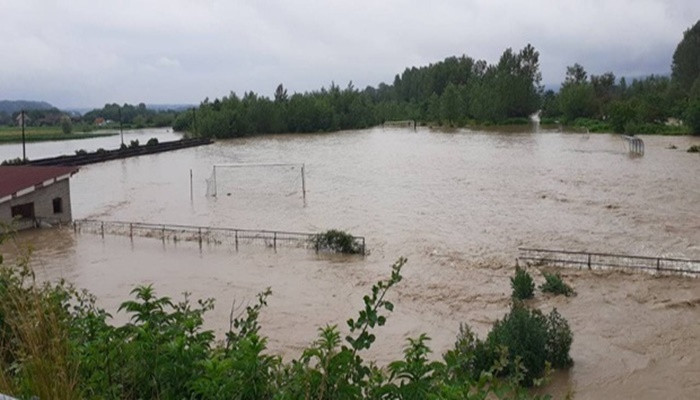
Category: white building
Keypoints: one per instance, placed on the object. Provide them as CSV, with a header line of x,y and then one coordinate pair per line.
x,y
29,195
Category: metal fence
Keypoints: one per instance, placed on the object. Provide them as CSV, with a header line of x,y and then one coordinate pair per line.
x,y
203,234
610,261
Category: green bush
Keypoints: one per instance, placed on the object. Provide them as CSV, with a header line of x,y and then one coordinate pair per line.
x,y
554,284
134,144
548,120
523,332
152,142
522,284
338,242
19,161
520,346
80,152
694,149
559,339
592,125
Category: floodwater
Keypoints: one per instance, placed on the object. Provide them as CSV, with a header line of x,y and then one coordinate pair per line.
x,y
457,204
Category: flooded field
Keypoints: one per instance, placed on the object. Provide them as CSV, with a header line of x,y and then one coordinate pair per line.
x,y
456,204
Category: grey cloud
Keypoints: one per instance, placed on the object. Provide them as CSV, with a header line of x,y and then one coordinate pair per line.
x,y
86,53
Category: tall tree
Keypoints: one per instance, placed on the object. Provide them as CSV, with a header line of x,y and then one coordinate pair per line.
x,y
685,69
575,74
280,94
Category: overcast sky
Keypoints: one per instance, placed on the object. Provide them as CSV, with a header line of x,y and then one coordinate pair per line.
x,y
85,53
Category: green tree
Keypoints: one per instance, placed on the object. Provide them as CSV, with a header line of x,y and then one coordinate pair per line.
x,y
577,96
66,125
281,94
685,69
575,74
692,116
451,106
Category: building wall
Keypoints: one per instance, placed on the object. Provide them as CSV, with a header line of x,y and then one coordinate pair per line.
x,y
43,203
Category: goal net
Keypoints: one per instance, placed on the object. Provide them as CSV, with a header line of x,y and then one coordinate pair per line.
x,y
246,180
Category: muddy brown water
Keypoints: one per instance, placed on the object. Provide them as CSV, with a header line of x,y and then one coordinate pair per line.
x,y
457,204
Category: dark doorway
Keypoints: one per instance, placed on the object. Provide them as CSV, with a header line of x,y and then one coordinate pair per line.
x,y
23,210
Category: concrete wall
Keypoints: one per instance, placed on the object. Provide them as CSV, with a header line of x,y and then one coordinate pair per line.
x,y
43,203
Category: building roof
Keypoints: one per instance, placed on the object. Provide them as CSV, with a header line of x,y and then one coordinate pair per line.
x,y
19,180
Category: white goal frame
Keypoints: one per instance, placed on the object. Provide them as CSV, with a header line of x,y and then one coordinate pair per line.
x,y
302,165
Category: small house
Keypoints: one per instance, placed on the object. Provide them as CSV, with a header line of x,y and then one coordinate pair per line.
x,y
34,195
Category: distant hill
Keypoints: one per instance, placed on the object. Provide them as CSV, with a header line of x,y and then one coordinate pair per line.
x,y
12,106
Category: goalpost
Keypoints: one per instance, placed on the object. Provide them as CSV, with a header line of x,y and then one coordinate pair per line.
x,y
212,183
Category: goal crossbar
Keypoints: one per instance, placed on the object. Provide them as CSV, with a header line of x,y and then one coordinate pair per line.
x,y
247,165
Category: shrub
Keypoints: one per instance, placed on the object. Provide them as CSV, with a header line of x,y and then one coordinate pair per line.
x,y
337,241
694,149
66,125
152,142
123,147
100,151
559,339
80,152
533,339
15,161
134,144
522,284
554,284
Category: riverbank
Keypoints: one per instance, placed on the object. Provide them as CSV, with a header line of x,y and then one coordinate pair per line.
x,y
13,134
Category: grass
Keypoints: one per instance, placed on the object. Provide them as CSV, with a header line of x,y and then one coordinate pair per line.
x,y
13,134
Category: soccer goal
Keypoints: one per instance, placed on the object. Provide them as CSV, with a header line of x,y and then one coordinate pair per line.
x,y
280,178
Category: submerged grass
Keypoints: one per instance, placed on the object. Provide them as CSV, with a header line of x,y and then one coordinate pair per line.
x,y
13,134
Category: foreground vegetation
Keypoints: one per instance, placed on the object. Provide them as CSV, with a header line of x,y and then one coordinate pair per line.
x,y
56,343
462,91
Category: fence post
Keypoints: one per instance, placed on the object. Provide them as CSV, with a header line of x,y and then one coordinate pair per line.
x,y
658,264
102,229
363,246
162,232
274,240
236,232
589,261
131,231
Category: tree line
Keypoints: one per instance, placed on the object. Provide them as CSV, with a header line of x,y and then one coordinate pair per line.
x,y
111,115
460,91
653,104
454,91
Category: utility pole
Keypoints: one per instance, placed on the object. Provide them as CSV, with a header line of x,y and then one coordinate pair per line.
x,y
24,149
194,117
121,129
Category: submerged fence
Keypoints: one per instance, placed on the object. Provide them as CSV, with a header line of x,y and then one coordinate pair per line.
x,y
204,234
610,261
